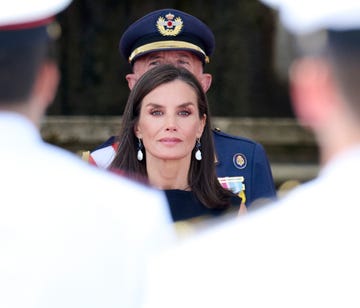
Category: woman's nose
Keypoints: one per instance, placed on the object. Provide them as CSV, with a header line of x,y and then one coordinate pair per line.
x,y
170,124
171,128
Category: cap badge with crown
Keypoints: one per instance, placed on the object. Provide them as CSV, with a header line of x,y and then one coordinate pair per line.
x,y
169,26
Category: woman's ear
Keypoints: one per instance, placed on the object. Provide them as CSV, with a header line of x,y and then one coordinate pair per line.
x,y
201,126
137,131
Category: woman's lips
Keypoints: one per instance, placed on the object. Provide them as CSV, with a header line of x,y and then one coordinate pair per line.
x,y
170,141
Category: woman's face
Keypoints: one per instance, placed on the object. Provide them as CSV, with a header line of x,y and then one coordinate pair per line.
x,y
169,121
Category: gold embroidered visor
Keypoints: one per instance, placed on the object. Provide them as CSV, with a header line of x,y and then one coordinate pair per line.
x,y
167,45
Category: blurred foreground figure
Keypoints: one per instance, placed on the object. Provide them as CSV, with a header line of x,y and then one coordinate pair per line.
x,y
68,235
303,250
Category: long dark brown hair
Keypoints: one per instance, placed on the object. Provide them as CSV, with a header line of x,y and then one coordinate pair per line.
x,y
202,175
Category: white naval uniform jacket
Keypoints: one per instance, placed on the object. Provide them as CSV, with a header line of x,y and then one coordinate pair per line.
x,y
300,252
71,235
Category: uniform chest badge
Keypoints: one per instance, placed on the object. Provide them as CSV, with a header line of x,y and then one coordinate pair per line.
x,y
235,184
239,161
169,26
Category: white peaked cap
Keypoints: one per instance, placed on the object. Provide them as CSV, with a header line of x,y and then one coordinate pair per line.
x,y
305,16
26,11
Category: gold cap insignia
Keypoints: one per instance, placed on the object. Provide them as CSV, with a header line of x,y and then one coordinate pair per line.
x,y
169,26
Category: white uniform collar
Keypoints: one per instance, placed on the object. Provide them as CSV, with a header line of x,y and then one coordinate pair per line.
x,y
343,161
16,128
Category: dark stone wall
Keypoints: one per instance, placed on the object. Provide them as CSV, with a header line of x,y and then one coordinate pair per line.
x,y
93,72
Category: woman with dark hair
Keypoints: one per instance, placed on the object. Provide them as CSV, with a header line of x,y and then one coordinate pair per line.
x,y
166,138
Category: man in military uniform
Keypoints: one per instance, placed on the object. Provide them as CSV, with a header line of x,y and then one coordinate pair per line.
x,y
173,36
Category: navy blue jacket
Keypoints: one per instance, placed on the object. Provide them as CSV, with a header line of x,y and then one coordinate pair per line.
x,y
239,156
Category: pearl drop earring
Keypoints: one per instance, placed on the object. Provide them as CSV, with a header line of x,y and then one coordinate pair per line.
x,y
140,155
198,155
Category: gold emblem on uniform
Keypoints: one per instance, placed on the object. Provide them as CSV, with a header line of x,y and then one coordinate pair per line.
x,y
169,26
239,161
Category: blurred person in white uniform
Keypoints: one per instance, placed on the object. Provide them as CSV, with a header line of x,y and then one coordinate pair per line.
x,y
70,235
303,250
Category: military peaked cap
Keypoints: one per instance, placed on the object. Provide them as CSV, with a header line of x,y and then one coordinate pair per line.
x,y
167,29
